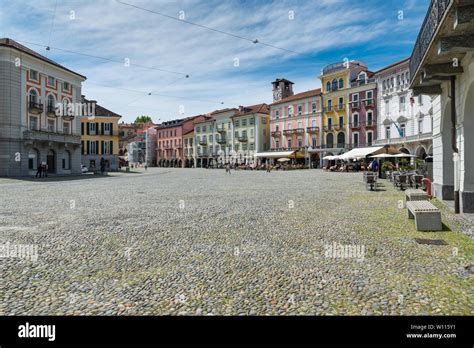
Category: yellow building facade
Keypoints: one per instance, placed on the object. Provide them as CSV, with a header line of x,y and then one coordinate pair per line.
x,y
100,138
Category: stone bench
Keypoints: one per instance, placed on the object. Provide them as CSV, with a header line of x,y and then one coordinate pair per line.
x,y
427,216
416,195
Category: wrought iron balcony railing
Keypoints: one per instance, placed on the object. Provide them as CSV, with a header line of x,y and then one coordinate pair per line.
x,y
276,134
35,107
430,25
312,130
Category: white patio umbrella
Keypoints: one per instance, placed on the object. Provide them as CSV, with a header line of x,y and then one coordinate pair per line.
x,y
404,155
284,160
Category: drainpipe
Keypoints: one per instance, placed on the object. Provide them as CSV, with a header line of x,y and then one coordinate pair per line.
x,y
454,147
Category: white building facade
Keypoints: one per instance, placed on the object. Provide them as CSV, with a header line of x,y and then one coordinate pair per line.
x,y
31,133
404,121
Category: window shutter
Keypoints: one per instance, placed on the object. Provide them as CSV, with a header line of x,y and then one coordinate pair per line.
x,y
97,147
97,131
88,149
111,128
87,129
111,147
102,128
82,147
82,128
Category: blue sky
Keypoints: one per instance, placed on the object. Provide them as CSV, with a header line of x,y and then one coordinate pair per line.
x,y
320,31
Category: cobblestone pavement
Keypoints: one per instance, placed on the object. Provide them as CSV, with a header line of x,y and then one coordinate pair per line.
x,y
195,241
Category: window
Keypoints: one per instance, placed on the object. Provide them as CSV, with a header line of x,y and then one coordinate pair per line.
x,y
328,86
402,103
334,85
403,130
300,109
330,122
341,103
51,81
252,147
107,127
51,125
93,148
203,128
252,121
313,107
277,143
420,126
341,121
210,138
398,80
51,102
277,128
370,138
33,97
244,122
387,107
356,120
362,79
92,164
300,124
355,98
33,159
289,125
66,86
370,96
387,132
384,85
370,117
300,142
356,139
277,114
314,143
33,75
289,143
92,128
420,100
198,129
341,83
33,125
236,123
313,123
329,105
290,111
251,132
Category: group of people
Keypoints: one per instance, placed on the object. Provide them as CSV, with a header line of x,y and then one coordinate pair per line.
x,y
42,170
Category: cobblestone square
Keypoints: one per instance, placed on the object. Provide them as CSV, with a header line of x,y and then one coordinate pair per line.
x,y
200,242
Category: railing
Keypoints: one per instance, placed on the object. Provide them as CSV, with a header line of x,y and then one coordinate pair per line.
x,y
370,123
243,138
328,108
355,105
51,136
51,109
355,125
287,132
276,134
33,106
312,130
341,107
220,129
299,131
203,142
430,25
369,102
221,140
328,128
339,126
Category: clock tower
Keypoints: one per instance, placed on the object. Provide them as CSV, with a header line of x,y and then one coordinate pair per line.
x,y
282,89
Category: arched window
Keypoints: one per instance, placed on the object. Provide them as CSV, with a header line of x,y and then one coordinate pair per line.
x,y
334,85
33,97
33,159
330,140
328,86
341,140
341,83
51,103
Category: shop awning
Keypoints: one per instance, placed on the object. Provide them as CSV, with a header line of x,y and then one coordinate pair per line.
x,y
361,152
275,154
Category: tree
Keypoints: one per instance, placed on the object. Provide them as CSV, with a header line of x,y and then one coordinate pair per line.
x,y
143,119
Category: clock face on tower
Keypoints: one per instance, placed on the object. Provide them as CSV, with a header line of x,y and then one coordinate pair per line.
x,y
277,94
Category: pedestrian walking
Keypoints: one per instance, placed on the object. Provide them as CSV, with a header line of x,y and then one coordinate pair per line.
x,y
227,169
39,170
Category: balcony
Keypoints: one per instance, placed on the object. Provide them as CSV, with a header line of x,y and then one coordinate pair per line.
x,y
370,124
429,28
355,105
328,128
288,132
203,142
339,127
341,107
242,139
276,134
299,131
328,108
312,130
51,110
179,146
220,129
221,140
369,103
35,107
354,126
55,137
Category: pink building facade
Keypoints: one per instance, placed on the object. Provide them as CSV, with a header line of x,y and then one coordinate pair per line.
x,y
363,110
295,122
